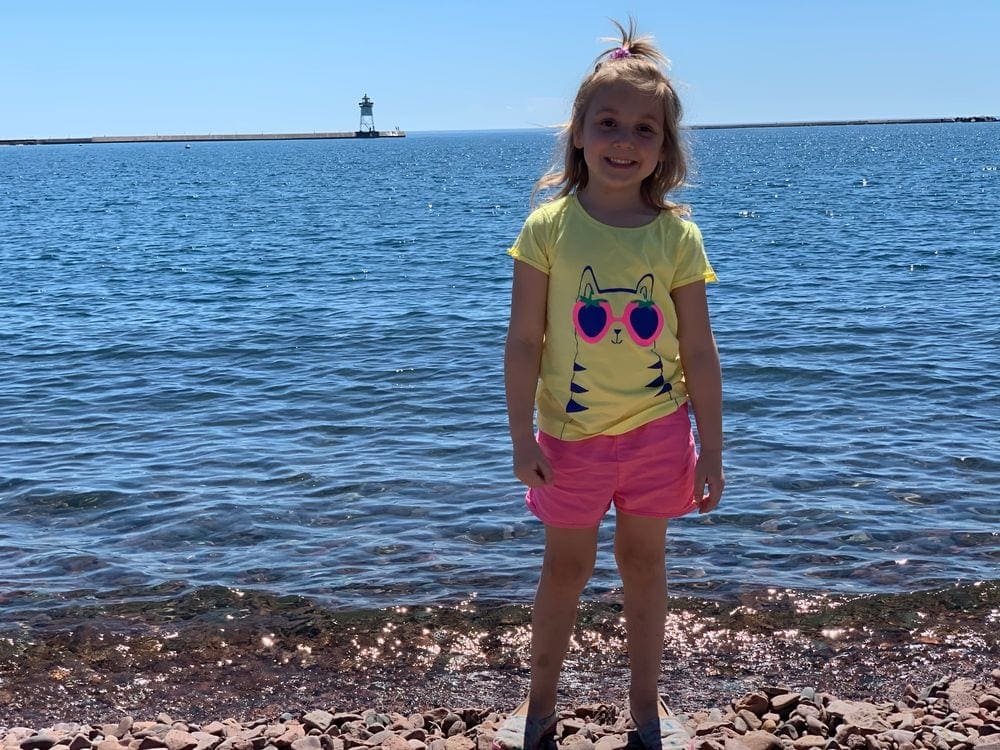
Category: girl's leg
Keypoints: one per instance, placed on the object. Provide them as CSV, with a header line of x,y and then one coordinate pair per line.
x,y
640,552
568,565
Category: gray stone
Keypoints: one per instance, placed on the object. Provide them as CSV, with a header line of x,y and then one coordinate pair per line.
x,y
808,742
309,742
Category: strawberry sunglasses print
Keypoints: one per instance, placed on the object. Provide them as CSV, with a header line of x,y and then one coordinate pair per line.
x,y
593,318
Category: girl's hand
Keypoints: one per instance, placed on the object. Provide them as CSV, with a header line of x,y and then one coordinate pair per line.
x,y
708,473
530,465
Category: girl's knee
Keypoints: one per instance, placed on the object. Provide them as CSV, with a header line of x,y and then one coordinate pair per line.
x,y
644,563
568,571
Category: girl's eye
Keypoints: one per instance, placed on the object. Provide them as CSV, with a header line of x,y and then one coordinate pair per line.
x,y
607,123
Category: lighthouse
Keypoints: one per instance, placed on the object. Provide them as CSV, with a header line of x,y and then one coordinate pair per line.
x,y
367,126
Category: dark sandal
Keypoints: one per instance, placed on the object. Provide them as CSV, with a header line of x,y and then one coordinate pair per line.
x,y
664,732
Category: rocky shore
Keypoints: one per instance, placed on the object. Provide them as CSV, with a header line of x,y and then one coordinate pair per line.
x,y
950,714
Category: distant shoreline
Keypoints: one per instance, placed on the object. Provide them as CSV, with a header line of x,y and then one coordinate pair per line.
x,y
402,134
364,135
825,123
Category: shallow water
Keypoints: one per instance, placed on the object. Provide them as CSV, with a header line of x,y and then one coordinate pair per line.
x,y
277,367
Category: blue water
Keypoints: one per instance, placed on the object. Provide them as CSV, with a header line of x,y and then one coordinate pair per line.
x,y
278,366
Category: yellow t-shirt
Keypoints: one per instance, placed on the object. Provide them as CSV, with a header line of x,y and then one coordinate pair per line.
x,y
610,360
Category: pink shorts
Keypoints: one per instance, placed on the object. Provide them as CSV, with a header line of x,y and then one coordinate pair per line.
x,y
648,471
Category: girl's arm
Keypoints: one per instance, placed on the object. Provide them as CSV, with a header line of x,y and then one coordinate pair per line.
x,y
703,377
522,359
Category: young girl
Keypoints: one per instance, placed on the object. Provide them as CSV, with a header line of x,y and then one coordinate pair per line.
x,y
610,338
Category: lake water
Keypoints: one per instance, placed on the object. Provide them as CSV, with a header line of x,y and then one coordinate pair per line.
x,y
278,366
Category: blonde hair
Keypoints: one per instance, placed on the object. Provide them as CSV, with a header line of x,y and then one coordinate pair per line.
x,y
636,61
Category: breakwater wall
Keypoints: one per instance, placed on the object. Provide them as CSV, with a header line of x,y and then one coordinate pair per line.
x,y
209,137
820,123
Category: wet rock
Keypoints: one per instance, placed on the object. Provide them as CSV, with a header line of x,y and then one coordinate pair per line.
x,y
38,742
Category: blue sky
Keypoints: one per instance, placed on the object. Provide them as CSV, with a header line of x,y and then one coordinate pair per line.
x,y
128,68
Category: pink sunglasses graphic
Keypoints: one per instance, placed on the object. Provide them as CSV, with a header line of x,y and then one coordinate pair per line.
x,y
593,318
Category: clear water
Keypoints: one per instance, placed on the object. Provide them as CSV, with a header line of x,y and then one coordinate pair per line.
x,y
278,366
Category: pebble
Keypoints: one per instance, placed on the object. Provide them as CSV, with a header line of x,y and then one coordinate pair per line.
x,y
950,714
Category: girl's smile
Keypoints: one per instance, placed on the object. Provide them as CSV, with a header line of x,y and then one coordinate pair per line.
x,y
621,138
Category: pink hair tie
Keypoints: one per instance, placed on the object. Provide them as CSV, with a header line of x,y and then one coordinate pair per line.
x,y
621,52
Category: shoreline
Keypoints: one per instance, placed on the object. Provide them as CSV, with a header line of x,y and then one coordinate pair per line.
x,y
192,138
245,655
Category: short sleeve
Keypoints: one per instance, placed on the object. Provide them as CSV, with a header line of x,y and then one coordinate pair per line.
x,y
692,262
532,245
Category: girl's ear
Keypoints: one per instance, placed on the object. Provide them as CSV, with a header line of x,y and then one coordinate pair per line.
x,y
577,140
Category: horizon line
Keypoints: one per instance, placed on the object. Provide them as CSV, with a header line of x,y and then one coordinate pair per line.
x,y
327,134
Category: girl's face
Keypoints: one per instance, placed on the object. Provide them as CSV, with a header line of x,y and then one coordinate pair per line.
x,y
621,137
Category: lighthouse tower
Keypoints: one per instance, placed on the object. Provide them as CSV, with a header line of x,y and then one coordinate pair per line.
x,y
367,126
